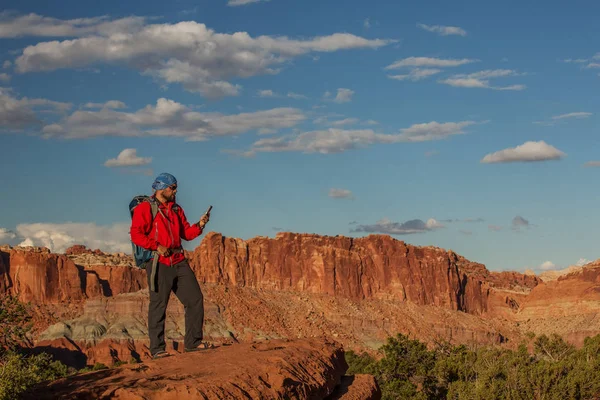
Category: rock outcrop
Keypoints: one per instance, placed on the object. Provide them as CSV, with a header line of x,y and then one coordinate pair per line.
x,y
374,267
38,276
568,306
278,369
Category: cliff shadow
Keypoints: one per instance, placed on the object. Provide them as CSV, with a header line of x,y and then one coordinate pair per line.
x,y
341,389
62,388
74,358
5,272
83,278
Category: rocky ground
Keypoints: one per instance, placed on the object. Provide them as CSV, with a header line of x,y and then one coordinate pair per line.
x,y
277,369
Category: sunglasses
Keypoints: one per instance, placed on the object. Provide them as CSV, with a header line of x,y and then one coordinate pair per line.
x,y
173,187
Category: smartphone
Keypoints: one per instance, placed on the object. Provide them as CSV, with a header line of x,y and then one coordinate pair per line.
x,y
208,211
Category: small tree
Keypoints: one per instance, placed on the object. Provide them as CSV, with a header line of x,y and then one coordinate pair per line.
x,y
407,369
15,323
552,348
19,372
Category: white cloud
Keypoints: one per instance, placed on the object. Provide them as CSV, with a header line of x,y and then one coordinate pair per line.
x,y
396,228
592,164
235,3
582,261
169,118
186,53
494,228
114,104
128,158
8,237
266,93
557,118
59,237
13,26
271,93
4,77
334,140
416,74
296,96
340,193
547,266
577,61
481,80
467,220
367,23
527,152
433,131
6,64
593,65
580,114
345,121
444,30
429,62
343,95
21,113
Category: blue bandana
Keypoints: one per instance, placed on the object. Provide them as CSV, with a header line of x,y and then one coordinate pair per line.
x,y
163,181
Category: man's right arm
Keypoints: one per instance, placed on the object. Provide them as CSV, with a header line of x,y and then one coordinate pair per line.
x,y
141,227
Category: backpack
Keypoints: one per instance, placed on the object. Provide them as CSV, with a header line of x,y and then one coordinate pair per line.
x,y
140,254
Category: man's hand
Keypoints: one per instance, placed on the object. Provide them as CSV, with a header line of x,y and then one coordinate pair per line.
x,y
163,251
203,221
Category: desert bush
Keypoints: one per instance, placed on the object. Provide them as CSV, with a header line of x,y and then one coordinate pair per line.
x,y
18,371
555,370
15,323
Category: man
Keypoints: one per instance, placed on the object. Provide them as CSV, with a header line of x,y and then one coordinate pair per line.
x,y
163,234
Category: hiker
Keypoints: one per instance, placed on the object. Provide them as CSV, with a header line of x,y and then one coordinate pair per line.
x,y
169,270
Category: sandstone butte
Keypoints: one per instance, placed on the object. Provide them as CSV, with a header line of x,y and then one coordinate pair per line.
x,y
91,307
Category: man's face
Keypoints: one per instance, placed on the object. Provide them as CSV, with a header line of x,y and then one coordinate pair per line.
x,y
170,193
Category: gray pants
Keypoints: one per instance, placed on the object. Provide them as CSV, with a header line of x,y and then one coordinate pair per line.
x,y
181,280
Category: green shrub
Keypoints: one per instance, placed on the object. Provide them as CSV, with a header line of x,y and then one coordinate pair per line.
x,y
15,323
556,370
99,366
18,372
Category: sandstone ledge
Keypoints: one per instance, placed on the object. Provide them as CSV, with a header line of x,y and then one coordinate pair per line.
x,y
286,369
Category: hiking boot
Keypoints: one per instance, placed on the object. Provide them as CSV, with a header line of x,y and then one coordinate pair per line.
x,y
160,354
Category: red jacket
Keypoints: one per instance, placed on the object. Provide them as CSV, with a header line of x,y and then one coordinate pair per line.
x,y
167,229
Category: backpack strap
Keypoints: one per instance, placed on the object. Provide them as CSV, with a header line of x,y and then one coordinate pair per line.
x,y
155,210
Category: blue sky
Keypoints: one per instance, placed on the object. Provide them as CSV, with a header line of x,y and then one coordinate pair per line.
x,y
467,125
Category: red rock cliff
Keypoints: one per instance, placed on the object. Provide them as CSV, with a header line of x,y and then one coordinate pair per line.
x,y
376,266
41,277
